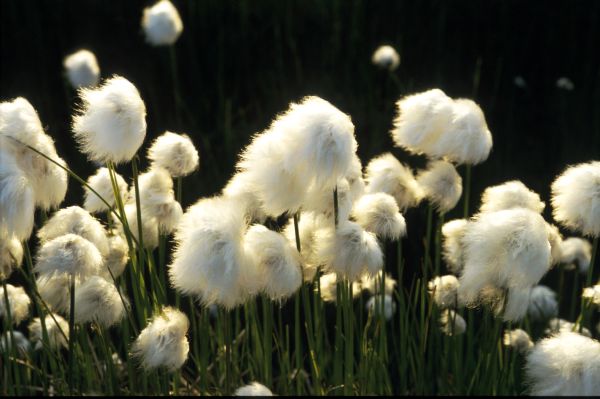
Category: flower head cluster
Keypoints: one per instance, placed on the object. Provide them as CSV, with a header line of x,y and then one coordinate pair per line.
x,y
162,23
82,68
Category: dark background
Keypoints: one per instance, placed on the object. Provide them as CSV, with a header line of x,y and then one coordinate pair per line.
x,y
239,63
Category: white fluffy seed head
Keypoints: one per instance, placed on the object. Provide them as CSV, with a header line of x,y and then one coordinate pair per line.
x,y
11,255
421,119
157,199
163,343
319,200
21,343
372,284
101,183
565,83
19,120
17,198
592,294
309,230
555,240
444,290
82,68
451,323
576,251
209,252
441,185
542,303
556,325
349,251
277,262
149,226
162,24
508,250
18,302
386,57
98,300
175,153
311,143
78,221
57,329
68,254
55,290
517,339
379,214
111,124
118,255
452,233
576,198
565,364
512,194
328,287
253,389
374,304
169,217
240,188
386,174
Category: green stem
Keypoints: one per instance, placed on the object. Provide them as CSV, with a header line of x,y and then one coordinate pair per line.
x,y
467,190
71,335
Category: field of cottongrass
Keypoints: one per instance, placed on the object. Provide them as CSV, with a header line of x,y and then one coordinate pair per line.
x,y
311,270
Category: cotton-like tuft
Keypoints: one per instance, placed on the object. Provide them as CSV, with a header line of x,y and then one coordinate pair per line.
x,y
374,304
565,83
21,343
98,300
311,143
319,201
240,188
149,226
517,339
576,252
253,389
451,323
163,343
209,252
169,217
276,261
512,194
566,364
17,199
82,68
555,240
118,255
386,57
157,199
372,284
111,123
349,250
175,153
386,174
378,213
354,177
592,294
11,255
162,24
452,233
101,183
68,254
444,290
576,198
508,250
57,329
441,185
75,220
55,290
560,326
328,287
18,302
310,233
542,303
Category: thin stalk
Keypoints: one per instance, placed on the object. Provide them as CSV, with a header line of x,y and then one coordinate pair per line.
x,y
71,335
467,191
267,340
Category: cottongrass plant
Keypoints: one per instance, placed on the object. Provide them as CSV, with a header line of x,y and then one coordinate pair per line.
x,y
82,69
162,24
386,57
253,389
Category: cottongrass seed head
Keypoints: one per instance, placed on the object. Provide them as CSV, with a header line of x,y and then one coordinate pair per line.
x,y
565,364
111,123
378,213
163,343
328,287
386,174
69,254
253,389
556,325
576,252
542,303
55,290
451,323
99,301
21,343
240,188
309,228
175,153
57,329
517,339
441,185
386,57
453,253
576,198
18,302
101,183
444,290
592,295
372,284
82,68
512,194
11,255
374,304
149,228
161,23
118,255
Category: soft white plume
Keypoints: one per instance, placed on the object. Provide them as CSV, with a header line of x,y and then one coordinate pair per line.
x,y
68,254
328,287
241,190
18,302
111,123
21,342
372,284
386,57
565,83
17,199
175,153
374,304
55,290
452,233
101,183
441,185
163,343
162,23
512,194
82,68
444,290
451,323
518,339
576,198
576,251
561,325
379,214
310,233
149,226
253,389
57,329
11,255
386,174
566,364
157,199
542,303
592,294
99,301
319,201
118,255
